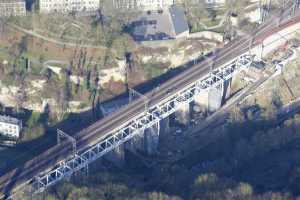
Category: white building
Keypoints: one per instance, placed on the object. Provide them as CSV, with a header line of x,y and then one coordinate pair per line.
x,y
170,24
208,3
215,2
67,6
10,126
12,8
143,5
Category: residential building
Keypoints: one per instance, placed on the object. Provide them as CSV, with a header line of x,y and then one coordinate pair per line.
x,y
144,5
164,25
208,3
215,3
68,6
12,8
10,126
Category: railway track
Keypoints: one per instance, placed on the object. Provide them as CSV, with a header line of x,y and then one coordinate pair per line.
x,y
101,129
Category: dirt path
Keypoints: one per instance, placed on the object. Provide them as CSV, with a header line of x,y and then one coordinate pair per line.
x,y
52,40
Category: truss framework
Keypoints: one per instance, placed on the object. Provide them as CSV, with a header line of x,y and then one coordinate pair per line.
x,y
143,121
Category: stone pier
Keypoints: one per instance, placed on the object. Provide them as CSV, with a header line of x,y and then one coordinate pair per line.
x,y
145,142
151,139
227,89
117,156
215,96
201,100
182,115
212,99
164,126
137,143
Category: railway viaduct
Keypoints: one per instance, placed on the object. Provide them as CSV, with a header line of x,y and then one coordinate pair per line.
x,y
138,125
209,93
208,100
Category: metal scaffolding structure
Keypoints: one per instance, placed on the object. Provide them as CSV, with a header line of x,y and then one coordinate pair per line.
x,y
145,120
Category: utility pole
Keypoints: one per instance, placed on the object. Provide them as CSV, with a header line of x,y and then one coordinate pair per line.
x,y
211,62
128,68
228,32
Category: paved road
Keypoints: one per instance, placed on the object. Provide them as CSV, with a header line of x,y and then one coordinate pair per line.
x,y
101,129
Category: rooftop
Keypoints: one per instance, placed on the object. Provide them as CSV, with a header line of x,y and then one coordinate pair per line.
x,y
8,119
178,18
153,26
12,1
160,25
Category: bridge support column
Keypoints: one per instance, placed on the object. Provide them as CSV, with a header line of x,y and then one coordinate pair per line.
x,y
201,102
117,156
164,126
137,143
212,99
146,142
227,89
152,139
182,116
215,97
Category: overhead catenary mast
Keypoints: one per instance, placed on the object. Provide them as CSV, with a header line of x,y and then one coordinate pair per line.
x,y
228,31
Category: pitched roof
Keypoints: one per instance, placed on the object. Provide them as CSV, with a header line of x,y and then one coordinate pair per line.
x,y
179,20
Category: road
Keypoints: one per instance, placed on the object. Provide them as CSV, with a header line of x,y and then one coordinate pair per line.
x,y
101,129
